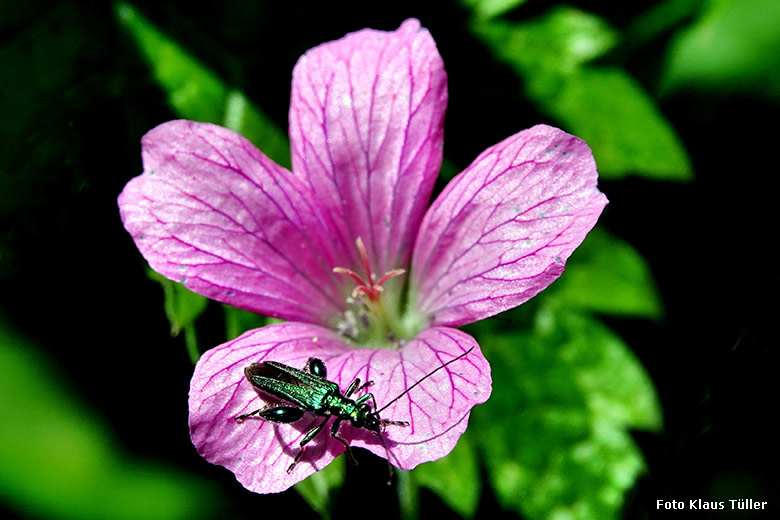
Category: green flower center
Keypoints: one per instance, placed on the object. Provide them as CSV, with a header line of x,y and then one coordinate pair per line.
x,y
376,315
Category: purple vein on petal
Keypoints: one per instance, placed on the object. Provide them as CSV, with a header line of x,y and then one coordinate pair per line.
x,y
362,81
454,220
493,251
311,151
246,207
491,267
250,262
274,202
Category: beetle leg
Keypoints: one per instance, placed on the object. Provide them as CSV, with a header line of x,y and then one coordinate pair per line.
x,y
352,387
365,385
259,411
278,414
240,418
334,430
282,414
365,397
307,438
386,422
356,386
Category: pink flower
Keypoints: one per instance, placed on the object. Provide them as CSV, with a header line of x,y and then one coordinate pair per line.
x,y
344,248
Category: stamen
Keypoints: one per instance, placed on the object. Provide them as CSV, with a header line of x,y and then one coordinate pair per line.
x,y
390,274
364,256
349,272
368,291
368,287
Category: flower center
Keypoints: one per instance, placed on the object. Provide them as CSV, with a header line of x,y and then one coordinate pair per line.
x,y
370,288
374,315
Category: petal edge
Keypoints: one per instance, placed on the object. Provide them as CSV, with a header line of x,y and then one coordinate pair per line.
x,y
214,213
502,230
366,130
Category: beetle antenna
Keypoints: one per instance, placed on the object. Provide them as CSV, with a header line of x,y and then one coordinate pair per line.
x,y
429,374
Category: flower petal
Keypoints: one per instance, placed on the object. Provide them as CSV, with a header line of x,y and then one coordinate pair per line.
x,y
259,452
214,213
366,119
502,230
437,409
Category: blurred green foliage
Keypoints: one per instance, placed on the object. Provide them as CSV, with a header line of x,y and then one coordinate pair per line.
x,y
59,460
238,321
197,93
554,440
659,19
733,46
456,478
319,489
608,276
605,106
490,8
554,436
555,433
182,308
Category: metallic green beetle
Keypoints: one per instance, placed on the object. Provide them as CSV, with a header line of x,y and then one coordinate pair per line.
x,y
309,390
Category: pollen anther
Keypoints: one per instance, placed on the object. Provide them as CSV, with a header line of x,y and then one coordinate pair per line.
x,y
368,286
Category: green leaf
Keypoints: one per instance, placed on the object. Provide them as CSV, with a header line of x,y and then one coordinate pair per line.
x,y
492,8
557,42
554,434
245,118
320,488
238,321
733,46
408,493
454,478
58,460
604,106
448,170
607,275
196,92
659,19
182,308
615,116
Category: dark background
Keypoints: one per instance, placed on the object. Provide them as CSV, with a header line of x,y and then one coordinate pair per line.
x,y
72,280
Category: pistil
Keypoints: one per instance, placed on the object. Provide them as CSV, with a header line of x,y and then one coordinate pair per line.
x,y
368,287
377,323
